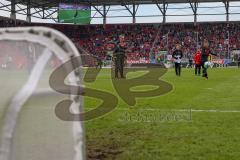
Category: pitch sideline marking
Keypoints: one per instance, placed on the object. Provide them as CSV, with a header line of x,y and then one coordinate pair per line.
x,y
178,110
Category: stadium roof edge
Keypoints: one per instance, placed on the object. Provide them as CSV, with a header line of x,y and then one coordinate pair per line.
x,y
46,9
52,3
123,2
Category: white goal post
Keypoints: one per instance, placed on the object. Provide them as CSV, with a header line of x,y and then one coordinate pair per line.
x,y
55,43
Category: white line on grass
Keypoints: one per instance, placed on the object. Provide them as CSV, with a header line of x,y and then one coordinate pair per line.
x,y
179,110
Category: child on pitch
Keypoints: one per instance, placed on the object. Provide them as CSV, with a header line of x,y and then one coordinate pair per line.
x,y
197,61
205,53
177,57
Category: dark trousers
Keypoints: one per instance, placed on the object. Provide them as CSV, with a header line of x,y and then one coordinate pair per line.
x,y
238,64
204,72
99,65
178,69
119,64
197,69
190,63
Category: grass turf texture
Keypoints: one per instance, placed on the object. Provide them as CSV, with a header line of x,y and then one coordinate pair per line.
x,y
207,135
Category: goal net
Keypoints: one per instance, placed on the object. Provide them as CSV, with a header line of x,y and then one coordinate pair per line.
x,y
29,127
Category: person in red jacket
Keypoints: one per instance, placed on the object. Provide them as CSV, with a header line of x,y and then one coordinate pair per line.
x,y
197,61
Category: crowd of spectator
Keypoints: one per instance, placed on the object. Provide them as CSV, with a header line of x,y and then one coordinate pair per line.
x,y
143,39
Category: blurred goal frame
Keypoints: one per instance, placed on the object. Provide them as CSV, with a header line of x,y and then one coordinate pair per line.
x,y
63,48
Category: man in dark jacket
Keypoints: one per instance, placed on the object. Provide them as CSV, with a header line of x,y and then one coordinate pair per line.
x,y
119,56
177,57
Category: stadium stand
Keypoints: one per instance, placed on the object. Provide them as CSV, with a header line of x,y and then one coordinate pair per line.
x,y
95,38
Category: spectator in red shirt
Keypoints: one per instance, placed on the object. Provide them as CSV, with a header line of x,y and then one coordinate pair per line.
x,y
197,61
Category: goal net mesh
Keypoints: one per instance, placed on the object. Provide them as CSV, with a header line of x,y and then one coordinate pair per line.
x,y
29,128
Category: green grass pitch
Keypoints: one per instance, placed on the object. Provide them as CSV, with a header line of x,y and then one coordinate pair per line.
x,y
197,120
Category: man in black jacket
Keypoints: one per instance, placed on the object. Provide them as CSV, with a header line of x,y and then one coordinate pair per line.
x,y
177,57
119,56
